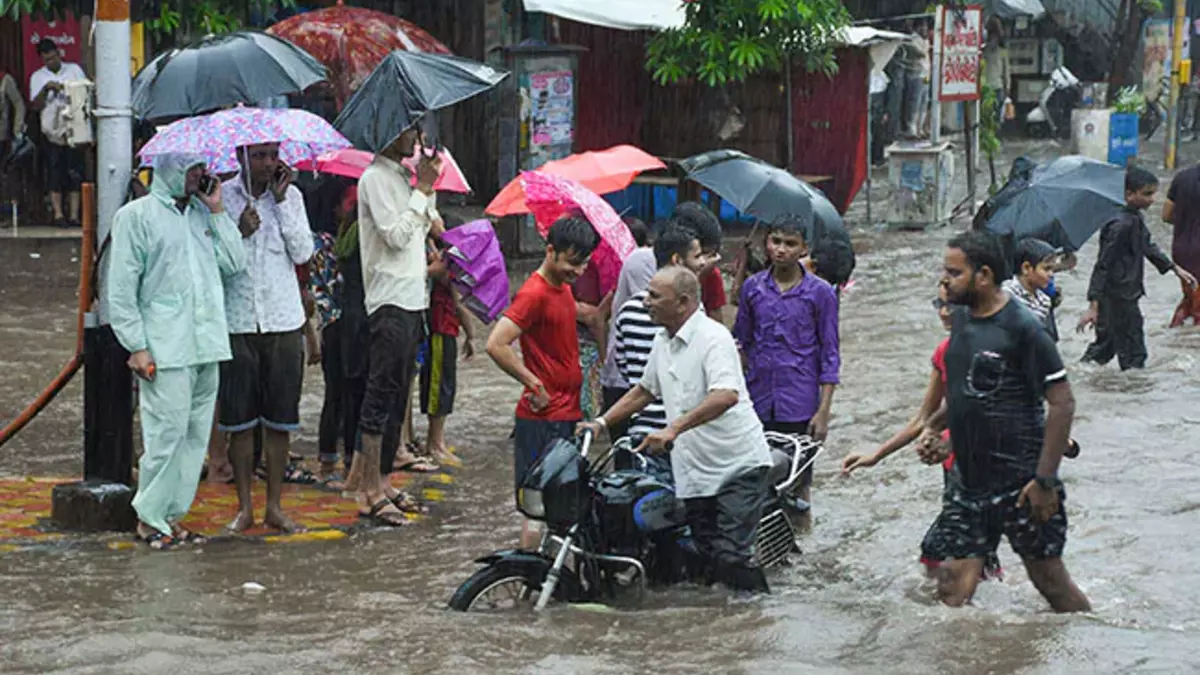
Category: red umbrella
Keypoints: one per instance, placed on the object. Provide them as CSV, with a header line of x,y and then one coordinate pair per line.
x,y
352,41
352,163
601,171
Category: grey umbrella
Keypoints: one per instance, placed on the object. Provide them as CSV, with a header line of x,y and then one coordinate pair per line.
x,y
766,192
1011,9
1065,202
405,86
219,71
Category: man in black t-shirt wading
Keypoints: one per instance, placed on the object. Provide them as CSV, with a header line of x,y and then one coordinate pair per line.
x,y
1001,365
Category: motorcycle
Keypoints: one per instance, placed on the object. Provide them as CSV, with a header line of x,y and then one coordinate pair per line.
x,y
1052,116
609,530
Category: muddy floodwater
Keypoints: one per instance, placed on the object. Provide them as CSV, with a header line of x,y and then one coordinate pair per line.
x,y
855,602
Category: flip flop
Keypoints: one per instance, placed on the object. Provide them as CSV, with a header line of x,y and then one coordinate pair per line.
x,y
419,465
296,474
381,519
188,537
328,483
157,541
407,504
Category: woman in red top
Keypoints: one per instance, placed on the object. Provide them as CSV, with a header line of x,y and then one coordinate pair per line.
x,y
935,393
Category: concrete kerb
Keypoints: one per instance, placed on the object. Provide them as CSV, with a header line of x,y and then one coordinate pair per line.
x,y
25,525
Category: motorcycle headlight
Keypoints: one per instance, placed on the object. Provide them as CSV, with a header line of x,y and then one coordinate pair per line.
x,y
530,503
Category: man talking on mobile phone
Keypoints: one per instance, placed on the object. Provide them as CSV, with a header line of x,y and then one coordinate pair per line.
x,y
170,250
395,218
260,386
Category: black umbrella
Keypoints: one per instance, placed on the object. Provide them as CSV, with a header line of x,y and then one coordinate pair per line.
x,y
766,192
1064,201
404,87
219,71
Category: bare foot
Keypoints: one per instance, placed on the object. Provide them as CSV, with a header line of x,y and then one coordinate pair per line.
x,y
280,522
441,455
243,522
412,464
220,474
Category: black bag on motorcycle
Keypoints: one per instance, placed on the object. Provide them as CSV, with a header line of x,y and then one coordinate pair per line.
x,y
555,488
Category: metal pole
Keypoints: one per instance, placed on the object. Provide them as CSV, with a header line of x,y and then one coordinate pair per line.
x,y
972,121
791,134
870,137
1176,59
108,400
935,106
114,147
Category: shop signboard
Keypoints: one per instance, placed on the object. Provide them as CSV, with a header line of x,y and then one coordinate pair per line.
x,y
961,43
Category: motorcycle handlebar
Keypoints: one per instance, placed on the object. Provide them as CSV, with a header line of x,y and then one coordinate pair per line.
x,y
636,440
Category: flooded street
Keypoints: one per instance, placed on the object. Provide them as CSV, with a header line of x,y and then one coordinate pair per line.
x,y
855,602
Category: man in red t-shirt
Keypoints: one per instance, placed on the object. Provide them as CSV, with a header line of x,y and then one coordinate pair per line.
x,y
542,316
702,222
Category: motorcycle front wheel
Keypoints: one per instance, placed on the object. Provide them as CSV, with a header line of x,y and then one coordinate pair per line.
x,y
506,586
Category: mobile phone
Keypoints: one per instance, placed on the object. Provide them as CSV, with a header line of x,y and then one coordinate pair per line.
x,y
208,183
282,172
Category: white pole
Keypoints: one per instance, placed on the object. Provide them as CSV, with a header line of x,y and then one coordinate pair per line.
x,y
114,126
935,107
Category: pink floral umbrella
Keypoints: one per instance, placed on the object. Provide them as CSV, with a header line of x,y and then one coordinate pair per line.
x,y
301,135
551,197
351,163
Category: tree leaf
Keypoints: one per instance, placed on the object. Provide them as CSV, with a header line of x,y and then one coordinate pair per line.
x,y
728,40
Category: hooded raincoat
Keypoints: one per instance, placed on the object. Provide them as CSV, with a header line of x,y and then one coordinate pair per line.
x,y
165,295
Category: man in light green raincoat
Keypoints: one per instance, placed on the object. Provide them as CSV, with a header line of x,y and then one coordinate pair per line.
x,y
169,252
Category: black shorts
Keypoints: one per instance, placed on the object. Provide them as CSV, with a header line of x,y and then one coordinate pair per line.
x,y
439,375
530,439
971,525
64,167
794,429
261,384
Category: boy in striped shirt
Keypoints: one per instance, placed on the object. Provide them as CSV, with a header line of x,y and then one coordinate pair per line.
x,y
634,331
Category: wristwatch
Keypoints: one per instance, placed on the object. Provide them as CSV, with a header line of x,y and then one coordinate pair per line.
x,y
1048,482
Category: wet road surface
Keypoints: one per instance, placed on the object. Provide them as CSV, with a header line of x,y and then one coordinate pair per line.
x,y
856,602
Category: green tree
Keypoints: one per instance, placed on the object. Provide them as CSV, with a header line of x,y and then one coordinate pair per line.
x,y
180,18
727,40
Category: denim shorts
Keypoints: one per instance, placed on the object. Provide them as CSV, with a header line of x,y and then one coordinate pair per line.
x,y
531,438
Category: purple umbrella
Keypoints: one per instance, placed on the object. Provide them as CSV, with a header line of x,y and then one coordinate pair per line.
x,y
477,268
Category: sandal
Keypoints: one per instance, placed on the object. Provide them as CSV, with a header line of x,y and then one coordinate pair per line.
x,y
407,504
157,541
385,519
333,482
418,465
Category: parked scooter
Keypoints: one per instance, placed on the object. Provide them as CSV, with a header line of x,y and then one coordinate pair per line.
x,y
1052,116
